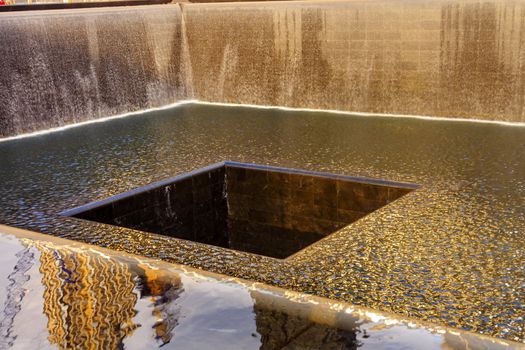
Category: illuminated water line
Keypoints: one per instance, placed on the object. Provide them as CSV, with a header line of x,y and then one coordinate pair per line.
x,y
98,120
280,108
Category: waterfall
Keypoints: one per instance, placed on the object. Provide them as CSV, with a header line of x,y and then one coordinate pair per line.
x,y
72,66
63,68
186,66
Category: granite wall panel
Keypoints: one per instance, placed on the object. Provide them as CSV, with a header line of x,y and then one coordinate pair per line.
x,y
191,208
293,210
67,66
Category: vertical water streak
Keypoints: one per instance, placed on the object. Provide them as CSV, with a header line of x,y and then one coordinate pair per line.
x,y
186,66
63,68
288,49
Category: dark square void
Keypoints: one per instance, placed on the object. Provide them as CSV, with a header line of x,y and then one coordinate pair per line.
x,y
257,209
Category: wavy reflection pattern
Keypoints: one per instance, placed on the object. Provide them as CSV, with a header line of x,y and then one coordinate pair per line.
x,y
162,288
89,300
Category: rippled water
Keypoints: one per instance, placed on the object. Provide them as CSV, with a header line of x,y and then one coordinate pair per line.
x,y
78,297
451,252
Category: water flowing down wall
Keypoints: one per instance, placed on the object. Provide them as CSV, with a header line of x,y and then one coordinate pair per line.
x,y
62,67
438,58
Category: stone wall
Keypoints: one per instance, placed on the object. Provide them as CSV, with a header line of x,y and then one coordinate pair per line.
x,y
188,207
261,210
440,58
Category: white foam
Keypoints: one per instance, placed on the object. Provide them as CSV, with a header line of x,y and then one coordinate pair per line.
x,y
292,109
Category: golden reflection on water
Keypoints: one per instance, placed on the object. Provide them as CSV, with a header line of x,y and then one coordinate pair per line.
x,y
162,287
449,252
90,300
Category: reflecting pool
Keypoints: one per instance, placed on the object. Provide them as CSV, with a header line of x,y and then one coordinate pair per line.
x,y
450,252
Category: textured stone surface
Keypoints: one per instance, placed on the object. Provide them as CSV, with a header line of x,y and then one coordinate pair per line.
x,y
438,58
86,296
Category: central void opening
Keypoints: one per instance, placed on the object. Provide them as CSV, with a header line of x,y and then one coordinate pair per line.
x,y
257,209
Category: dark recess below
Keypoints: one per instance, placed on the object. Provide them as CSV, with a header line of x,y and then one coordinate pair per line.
x,y
263,210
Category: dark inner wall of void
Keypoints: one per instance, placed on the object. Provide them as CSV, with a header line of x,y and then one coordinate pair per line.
x,y
438,58
257,210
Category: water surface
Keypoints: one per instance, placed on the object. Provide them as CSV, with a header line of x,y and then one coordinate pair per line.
x,y
78,297
451,252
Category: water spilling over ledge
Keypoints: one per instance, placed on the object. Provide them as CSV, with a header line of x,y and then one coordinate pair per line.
x,y
433,58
